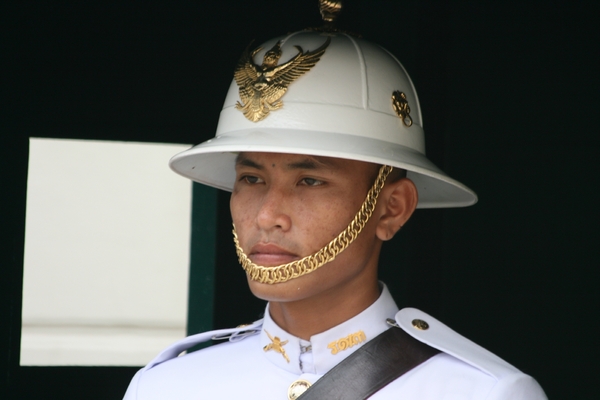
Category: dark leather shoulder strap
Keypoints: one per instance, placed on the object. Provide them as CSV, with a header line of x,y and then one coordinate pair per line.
x,y
370,368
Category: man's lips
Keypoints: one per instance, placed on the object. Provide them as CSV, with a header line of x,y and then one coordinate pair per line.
x,y
268,254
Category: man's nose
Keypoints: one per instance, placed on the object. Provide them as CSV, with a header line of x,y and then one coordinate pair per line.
x,y
274,211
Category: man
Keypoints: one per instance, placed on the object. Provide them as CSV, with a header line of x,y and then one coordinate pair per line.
x,y
321,143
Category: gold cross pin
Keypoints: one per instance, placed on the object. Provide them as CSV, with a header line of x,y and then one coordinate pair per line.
x,y
276,345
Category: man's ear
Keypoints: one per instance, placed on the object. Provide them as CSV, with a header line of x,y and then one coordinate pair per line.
x,y
399,201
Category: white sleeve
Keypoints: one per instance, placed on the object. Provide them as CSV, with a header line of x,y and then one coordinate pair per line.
x,y
517,387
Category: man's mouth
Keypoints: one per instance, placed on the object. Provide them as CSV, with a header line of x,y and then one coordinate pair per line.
x,y
270,255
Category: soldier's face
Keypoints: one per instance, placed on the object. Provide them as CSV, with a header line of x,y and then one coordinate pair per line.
x,y
288,206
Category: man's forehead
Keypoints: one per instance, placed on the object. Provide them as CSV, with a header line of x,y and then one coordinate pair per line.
x,y
294,161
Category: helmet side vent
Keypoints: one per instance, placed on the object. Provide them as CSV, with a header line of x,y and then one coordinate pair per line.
x,y
414,90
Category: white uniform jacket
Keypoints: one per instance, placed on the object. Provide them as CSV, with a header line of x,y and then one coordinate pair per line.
x,y
260,361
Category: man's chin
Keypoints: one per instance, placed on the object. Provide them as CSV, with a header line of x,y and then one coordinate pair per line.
x,y
280,292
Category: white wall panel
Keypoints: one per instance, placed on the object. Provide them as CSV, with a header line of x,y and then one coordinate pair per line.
x,y
106,252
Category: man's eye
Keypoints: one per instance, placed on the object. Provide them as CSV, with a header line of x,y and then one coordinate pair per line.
x,y
311,182
251,179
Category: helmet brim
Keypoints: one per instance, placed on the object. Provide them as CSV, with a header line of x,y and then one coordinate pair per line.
x,y
213,162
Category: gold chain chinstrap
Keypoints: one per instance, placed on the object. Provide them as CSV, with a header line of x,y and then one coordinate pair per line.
x,y
308,264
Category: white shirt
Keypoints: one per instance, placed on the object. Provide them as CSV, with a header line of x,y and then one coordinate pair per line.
x,y
242,368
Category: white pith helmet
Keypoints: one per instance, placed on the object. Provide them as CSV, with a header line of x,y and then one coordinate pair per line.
x,y
340,107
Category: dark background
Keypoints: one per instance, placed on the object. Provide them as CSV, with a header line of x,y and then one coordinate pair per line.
x,y
509,93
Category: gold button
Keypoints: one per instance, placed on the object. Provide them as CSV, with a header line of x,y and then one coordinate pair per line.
x,y
420,324
297,388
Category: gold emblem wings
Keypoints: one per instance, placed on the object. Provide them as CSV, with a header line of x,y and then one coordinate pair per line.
x,y
261,86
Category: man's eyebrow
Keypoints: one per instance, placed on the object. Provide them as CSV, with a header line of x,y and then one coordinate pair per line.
x,y
243,160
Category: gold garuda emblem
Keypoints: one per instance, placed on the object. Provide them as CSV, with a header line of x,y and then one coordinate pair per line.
x,y
261,86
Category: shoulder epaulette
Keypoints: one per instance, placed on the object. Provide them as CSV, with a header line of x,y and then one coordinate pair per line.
x,y
232,334
429,330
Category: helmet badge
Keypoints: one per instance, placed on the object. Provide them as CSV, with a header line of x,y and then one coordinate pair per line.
x,y
400,104
262,86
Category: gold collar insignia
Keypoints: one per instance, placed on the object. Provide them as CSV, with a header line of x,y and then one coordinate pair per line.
x,y
276,345
345,343
261,86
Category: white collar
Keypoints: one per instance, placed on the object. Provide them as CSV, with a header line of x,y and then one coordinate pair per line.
x,y
326,349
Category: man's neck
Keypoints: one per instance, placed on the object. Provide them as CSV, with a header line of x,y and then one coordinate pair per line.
x,y
305,318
